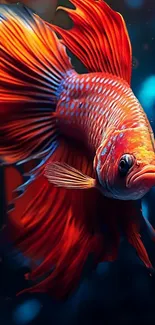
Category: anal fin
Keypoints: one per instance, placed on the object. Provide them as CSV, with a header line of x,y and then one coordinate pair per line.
x,y
58,227
131,217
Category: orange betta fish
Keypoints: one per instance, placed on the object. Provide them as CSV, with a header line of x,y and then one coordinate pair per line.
x,y
83,143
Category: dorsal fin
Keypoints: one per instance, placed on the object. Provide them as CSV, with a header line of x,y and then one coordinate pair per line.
x,y
99,38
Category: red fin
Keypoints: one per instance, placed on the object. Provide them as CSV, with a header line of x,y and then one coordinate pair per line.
x,y
33,63
99,38
58,227
131,225
63,175
12,179
135,240
15,185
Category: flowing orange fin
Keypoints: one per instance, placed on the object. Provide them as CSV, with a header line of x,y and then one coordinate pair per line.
x,y
63,175
33,64
99,38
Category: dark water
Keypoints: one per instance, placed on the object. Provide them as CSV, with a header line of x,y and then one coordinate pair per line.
x,y
116,293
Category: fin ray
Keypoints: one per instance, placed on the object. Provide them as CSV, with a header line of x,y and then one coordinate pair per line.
x,y
95,36
62,232
131,226
33,64
63,175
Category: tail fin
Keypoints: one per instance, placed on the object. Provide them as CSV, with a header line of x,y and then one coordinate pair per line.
x,y
33,64
99,38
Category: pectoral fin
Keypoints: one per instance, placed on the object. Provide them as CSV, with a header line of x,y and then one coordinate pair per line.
x,y
63,175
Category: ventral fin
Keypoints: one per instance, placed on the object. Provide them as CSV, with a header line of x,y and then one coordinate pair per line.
x,y
99,38
64,175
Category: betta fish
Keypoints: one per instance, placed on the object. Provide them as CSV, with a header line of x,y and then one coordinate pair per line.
x,y
77,149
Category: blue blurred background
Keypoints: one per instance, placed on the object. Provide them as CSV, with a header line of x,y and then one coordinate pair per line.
x,y
121,292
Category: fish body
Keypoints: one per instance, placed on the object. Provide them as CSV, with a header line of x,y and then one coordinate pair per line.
x,y
95,103
102,111
94,143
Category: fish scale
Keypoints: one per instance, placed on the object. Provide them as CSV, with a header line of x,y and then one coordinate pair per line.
x,y
106,105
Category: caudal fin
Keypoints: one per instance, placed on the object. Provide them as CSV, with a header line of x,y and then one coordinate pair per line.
x,y
33,64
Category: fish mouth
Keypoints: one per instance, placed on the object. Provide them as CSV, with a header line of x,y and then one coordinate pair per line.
x,y
145,175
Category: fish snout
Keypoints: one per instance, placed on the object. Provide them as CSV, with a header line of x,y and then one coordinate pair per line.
x,y
145,176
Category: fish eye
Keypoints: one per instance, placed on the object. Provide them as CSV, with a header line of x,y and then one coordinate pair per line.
x,y
126,162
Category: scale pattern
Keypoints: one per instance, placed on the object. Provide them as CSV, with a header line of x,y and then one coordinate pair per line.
x,y
93,103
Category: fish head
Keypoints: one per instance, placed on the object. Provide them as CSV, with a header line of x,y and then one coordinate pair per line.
x,y
125,164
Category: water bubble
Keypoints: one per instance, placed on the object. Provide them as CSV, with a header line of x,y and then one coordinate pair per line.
x,y
145,210
145,46
134,3
26,312
146,94
102,268
135,62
